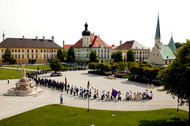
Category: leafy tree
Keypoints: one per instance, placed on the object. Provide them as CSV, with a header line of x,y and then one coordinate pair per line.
x,y
130,56
122,65
64,54
175,77
7,57
93,57
55,65
178,44
117,56
71,55
92,65
61,55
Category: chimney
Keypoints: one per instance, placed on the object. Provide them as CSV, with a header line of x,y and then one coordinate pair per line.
x,y
3,36
43,37
52,38
36,37
63,44
120,43
23,36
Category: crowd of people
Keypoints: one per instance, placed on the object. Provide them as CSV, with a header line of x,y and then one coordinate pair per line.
x,y
92,92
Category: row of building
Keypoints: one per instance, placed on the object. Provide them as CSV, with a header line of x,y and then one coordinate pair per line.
x,y
42,50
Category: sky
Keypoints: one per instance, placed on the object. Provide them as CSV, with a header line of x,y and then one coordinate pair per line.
x,y
113,20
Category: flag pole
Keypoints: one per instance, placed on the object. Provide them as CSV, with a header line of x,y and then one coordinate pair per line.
x,y
88,93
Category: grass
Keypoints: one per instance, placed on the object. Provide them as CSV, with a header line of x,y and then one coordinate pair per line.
x,y
53,115
41,67
9,73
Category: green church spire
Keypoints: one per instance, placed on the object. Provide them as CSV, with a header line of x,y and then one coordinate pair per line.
x,y
157,35
172,45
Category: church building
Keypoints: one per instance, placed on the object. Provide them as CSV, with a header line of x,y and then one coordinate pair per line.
x,y
162,54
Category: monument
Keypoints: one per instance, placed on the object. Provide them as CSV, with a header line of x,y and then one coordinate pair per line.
x,y
24,87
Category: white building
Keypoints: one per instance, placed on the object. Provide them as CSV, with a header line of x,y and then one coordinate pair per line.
x,y
90,42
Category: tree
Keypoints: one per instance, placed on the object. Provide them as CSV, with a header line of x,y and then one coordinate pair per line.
x,y
71,55
55,65
117,56
175,77
93,57
130,56
7,58
61,55
92,65
122,66
64,54
178,44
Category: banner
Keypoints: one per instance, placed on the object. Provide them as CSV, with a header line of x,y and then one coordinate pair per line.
x,y
114,93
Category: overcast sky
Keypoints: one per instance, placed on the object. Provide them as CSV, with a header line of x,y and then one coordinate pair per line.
x,y
113,20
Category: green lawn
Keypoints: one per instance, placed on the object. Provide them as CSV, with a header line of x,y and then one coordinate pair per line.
x,y
41,67
10,73
53,115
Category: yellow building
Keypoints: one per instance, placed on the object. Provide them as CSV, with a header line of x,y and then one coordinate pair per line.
x,y
26,51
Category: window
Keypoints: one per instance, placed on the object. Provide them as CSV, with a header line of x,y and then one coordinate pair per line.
x,y
15,50
47,55
32,50
44,55
19,56
22,50
47,51
101,55
36,50
15,56
104,55
18,50
44,50
12,55
12,50
27,50
23,56
36,55
41,50
108,55
166,62
32,56
27,56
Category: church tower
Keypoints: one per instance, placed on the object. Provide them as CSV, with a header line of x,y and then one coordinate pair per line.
x,y
157,35
3,35
85,36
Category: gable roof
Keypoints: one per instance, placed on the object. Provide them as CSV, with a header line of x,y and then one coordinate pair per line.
x,y
172,45
95,42
166,52
131,45
67,46
28,43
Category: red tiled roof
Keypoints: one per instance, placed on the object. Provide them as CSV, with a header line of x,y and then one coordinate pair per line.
x,y
125,46
95,42
28,43
113,46
67,46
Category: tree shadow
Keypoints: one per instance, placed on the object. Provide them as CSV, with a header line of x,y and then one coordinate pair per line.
x,y
163,122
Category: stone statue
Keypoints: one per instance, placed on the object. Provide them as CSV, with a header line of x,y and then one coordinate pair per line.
x,y
23,72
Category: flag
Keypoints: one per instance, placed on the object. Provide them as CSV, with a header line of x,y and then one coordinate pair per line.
x,y
114,93
88,84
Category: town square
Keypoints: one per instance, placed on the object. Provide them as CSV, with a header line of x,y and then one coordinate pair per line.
x,y
94,63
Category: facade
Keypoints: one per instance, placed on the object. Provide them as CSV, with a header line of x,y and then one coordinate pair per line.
x,y
162,54
90,42
27,50
141,51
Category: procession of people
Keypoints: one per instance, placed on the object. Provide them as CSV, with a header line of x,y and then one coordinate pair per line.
x,y
92,92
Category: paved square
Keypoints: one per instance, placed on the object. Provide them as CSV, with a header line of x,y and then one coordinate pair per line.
x,y
12,105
